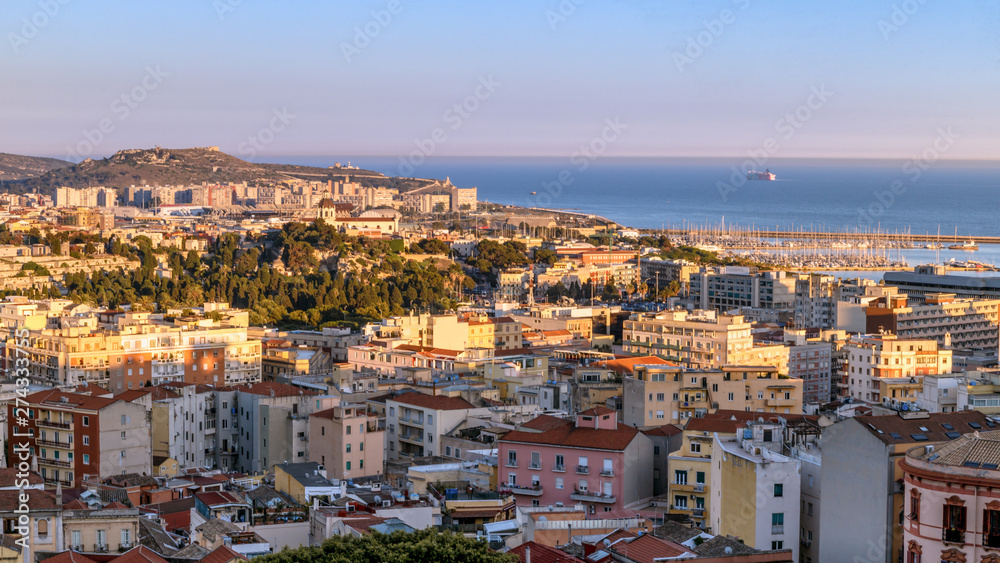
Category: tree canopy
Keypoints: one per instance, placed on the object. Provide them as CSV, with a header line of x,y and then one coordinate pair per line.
x,y
399,547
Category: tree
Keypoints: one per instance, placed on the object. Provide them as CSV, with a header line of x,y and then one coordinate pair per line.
x,y
399,547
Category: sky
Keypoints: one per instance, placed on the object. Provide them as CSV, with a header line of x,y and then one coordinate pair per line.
x,y
265,79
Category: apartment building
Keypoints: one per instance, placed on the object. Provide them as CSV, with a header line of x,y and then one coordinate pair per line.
x,y
659,394
283,360
79,437
874,447
184,422
591,460
958,323
348,440
273,423
659,273
703,339
506,333
128,351
809,359
333,341
416,422
870,359
757,489
736,287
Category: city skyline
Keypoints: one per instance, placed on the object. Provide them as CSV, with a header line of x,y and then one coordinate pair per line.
x,y
714,79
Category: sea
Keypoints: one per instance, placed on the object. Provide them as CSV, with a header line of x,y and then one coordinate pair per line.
x,y
655,193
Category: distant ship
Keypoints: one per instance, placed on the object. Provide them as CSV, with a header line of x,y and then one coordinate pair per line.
x,y
967,245
533,193
765,175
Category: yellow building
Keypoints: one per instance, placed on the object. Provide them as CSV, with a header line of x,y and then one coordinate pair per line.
x,y
165,467
660,394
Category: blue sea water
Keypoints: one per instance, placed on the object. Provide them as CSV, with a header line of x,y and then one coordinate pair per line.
x,y
924,198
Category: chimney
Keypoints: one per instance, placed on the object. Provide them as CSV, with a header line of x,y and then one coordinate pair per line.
x,y
527,554
59,494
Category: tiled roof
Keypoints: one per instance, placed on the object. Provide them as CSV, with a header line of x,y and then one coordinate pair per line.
x,y
544,422
216,528
362,524
436,402
718,545
220,498
664,430
193,551
222,554
979,448
567,434
133,394
542,554
597,411
70,557
72,400
675,531
270,388
9,474
648,549
140,554
930,429
37,499
627,365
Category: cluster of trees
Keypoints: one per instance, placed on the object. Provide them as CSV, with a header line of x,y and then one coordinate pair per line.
x,y
399,547
305,295
491,254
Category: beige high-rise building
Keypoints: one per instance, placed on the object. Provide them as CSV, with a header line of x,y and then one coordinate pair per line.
x,y
659,394
874,359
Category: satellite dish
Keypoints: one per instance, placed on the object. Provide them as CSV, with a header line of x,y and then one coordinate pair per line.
x,y
378,499
607,542
728,550
543,519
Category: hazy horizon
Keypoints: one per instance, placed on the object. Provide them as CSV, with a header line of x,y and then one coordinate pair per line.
x,y
629,78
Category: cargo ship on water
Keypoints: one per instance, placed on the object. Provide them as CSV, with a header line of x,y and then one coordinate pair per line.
x,y
765,175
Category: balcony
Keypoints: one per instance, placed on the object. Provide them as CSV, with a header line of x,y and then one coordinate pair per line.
x,y
100,548
411,438
698,512
50,481
52,424
592,496
607,472
583,469
777,529
780,402
54,462
699,487
532,491
535,466
51,444
511,462
991,540
953,536
560,468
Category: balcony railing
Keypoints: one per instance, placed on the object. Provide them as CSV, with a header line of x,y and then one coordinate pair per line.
x,y
64,445
583,469
52,424
698,512
559,467
607,472
511,462
777,529
532,491
592,496
699,488
535,466
101,547
953,536
55,462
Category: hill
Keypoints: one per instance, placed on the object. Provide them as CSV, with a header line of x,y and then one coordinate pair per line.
x,y
16,167
162,167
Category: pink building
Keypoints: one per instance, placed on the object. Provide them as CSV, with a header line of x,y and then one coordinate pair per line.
x,y
592,461
952,500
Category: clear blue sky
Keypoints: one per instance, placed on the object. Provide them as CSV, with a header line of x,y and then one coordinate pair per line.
x,y
559,80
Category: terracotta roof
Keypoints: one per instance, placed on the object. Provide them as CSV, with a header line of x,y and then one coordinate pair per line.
x,y
160,393
70,557
220,498
362,524
597,411
9,474
133,394
72,400
567,434
76,504
932,428
627,365
436,402
37,499
140,553
542,554
544,422
222,554
979,448
648,549
269,388
664,430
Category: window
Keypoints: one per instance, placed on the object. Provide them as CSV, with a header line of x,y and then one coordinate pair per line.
x,y
430,419
777,522
660,397
86,440
124,419
779,490
914,505
347,466
954,522
680,477
991,527
699,477
102,538
322,430
348,448
776,545
695,448
659,414
348,428
126,536
512,458
86,459
680,502
560,463
559,482
123,435
76,541
43,527
86,421
809,509
392,411
731,396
